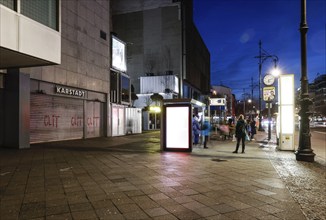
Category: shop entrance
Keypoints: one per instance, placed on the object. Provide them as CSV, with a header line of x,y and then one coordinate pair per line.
x,y
154,121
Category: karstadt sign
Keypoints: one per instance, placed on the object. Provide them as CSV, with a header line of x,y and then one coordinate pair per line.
x,y
70,91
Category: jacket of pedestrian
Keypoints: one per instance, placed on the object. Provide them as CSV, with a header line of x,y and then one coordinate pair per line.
x,y
195,127
240,129
206,128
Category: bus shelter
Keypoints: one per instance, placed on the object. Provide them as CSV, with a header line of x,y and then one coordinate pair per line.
x,y
176,129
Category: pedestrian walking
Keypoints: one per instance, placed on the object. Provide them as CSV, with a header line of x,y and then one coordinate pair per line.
x,y
195,129
240,133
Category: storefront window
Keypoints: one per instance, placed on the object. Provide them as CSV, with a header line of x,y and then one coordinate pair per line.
x,y
114,87
45,12
125,89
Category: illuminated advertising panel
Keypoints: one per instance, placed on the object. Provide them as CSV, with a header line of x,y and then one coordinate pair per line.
x,y
177,127
286,112
118,55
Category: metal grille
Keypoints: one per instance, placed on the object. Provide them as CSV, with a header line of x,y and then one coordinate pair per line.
x,y
42,11
8,3
55,118
94,119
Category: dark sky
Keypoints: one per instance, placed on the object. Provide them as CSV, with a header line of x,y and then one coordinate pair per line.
x,y
231,29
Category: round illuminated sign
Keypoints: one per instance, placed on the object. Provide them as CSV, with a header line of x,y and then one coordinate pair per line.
x,y
268,80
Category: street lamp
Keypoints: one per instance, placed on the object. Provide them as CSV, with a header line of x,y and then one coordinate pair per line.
x,y
263,55
304,152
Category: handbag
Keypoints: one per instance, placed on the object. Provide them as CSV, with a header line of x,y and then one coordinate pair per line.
x,y
247,136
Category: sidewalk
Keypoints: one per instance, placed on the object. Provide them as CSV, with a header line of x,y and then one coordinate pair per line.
x,y
130,178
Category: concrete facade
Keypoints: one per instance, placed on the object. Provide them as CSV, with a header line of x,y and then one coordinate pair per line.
x,y
85,58
163,40
69,100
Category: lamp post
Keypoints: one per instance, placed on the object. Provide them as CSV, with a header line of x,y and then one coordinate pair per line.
x,y
304,152
263,55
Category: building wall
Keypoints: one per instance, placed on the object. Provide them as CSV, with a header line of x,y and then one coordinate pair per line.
x,y
320,94
153,32
198,61
85,56
153,41
70,100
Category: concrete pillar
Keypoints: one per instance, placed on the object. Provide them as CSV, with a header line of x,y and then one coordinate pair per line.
x,y
17,110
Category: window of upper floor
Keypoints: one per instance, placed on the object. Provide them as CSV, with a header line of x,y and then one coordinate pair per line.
x,y
45,12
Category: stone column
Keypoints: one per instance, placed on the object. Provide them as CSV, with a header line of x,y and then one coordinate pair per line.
x,y
17,110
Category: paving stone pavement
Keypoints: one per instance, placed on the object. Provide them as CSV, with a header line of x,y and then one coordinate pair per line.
x,y
130,178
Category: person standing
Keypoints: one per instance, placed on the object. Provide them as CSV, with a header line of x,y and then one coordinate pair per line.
x,y
195,129
206,132
240,133
253,129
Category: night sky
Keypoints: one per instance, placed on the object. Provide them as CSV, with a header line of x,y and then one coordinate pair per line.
x,y
231,29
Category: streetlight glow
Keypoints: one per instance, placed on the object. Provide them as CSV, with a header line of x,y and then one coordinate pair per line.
x,y
275,72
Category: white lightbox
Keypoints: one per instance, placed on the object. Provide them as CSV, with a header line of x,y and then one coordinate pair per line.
x,y
286,112
177,127
119,54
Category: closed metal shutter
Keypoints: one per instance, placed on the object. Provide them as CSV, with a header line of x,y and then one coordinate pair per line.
x,y
118,121
55,118
94,119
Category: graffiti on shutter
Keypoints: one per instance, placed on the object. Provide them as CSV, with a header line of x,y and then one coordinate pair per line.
x,y
55,118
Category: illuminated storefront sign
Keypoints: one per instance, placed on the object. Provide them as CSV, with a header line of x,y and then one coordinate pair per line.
x,y
119,55
69,91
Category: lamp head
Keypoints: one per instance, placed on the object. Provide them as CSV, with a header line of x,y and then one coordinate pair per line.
x,y
276,72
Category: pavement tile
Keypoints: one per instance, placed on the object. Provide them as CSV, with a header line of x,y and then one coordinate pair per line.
x,y
96,197
56,202
268,217
56,210
123,208
136,215
204,199
167,202
236,203
32,210
66,216
223,208
120,201
183,199
165,217
206,211
34,197
158,196
193,205
108,211
187,215
255,212
218,217
89,214
80,207
188,192
270,209
132,193
172,208
239,215
156,212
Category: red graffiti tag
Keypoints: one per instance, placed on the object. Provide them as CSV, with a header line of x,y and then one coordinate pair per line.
x,y
76,121
51,120
93,121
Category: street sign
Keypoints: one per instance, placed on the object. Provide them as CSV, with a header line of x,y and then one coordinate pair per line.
x,y
268,105
217,101
269,93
